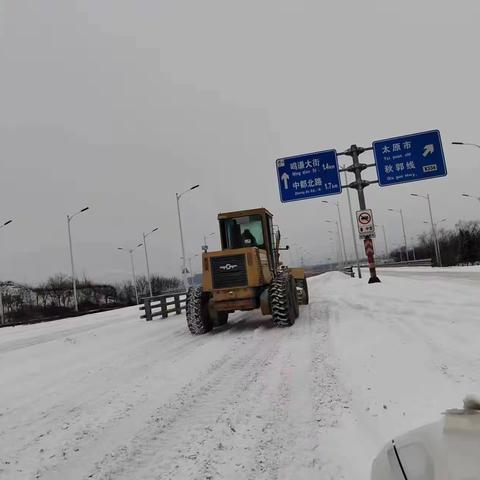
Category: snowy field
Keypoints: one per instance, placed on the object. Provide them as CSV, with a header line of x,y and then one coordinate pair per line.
x,y
110,396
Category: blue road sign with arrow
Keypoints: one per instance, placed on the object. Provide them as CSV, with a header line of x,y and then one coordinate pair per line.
x,y
409,158
309,175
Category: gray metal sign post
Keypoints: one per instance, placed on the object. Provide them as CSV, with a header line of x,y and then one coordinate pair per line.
x,y
359,184
354,236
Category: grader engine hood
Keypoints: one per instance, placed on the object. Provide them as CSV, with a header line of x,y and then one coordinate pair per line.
x,y
238,268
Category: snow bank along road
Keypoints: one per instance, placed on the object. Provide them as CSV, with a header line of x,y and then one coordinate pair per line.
x,y
109,396
469,275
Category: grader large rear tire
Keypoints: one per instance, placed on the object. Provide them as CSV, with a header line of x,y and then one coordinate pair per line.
x,y
294,298
198,317
282,301
302,291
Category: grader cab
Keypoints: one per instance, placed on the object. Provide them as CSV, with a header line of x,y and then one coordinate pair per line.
x,y
246,274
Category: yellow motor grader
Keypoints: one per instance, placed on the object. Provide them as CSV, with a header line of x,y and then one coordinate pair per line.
x,y
246,274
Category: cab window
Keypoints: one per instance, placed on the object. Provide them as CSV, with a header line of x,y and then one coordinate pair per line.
x,y
244,232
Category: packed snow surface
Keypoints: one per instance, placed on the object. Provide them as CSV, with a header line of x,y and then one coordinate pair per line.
x,y
110,396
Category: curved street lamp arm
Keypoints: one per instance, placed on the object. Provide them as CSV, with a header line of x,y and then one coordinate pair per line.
x,y
77,213
466,143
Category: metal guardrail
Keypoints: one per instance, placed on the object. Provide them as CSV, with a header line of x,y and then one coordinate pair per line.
x,y
161,305
349,271
424,262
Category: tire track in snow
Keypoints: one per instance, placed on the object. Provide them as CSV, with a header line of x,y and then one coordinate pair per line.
x,y
27,340
175,429
86,410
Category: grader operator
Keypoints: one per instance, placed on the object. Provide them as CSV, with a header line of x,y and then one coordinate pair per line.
x,y
246,274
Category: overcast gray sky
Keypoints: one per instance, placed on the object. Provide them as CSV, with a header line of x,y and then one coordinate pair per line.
x,y
118,104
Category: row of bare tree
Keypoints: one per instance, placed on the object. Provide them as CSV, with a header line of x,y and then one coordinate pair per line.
x,y
53,298
458,246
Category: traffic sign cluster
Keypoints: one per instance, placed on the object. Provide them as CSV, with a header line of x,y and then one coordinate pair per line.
x,y
408,158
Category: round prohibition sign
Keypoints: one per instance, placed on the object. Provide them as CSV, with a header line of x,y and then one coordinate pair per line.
x,y
364,218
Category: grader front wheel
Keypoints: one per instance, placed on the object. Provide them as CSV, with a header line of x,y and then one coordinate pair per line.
x,y
283,301
198,317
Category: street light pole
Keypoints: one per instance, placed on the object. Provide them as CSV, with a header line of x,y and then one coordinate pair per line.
x,y
335,250
2,309
403,228
470,196
74,280
184,265
190,266
384,239
336,244
339,240
132,264
133,275
434,233
205,245
413,248
337,204
465,143
439,257
145,235
404,236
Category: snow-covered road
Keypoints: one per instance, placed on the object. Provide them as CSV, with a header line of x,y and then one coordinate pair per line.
x,y
469,275
109,396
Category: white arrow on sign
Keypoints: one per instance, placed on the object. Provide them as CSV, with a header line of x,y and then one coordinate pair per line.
x,y
428,149
285,178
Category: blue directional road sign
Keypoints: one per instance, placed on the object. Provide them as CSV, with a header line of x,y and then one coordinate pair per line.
x,y
308,175
409,158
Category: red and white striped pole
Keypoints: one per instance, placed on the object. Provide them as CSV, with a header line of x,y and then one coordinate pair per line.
x,y
369,251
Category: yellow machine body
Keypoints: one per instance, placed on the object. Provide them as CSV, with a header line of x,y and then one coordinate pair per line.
x,y
245,274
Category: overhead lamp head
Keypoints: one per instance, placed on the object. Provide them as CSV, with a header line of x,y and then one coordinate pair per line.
x,y
84,209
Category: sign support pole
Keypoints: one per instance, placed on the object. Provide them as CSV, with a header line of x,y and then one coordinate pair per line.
x,y
353,227
359,184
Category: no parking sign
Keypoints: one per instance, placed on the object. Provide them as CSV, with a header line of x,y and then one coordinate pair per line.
x,y
366,227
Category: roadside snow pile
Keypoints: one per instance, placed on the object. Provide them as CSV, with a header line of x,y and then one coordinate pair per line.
x,y
473,269
406,348
112,396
